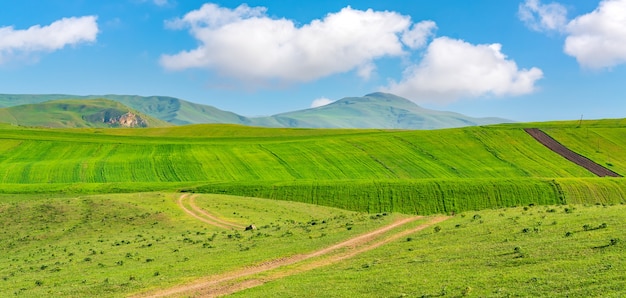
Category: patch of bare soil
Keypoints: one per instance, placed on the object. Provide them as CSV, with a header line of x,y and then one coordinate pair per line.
x,y
570,155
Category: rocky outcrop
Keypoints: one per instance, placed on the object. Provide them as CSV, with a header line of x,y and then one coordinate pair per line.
x,y
117,118
128,120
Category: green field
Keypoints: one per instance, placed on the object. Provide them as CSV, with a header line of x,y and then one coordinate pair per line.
x,y
422,172
82,217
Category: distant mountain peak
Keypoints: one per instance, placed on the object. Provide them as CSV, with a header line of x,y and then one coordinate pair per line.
x,y
374,110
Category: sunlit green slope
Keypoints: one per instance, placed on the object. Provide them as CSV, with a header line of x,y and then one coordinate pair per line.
x,y
375,110
77,113
367,170
49,156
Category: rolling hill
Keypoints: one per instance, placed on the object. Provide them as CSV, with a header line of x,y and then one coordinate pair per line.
x,y
170,109
78,113
429,171
376,110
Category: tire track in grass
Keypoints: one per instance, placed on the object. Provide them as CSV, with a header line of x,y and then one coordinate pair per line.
x,y
231,282
211,217
207,218
258,281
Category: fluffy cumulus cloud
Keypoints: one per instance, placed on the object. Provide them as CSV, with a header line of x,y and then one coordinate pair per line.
x,y
245,44
543,17
61,33
598,39
322,101
452,69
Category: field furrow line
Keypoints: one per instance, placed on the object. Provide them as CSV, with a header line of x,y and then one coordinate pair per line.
x,y
231,282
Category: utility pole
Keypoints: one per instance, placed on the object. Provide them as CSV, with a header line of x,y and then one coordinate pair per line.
x,y
580,123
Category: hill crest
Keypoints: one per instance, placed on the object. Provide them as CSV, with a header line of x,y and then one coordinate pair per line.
x,y
79,113
375,110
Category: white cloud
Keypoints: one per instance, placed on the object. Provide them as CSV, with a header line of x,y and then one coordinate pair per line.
x,y
453,69
418,36
160,2
245,44
598,39
67,31
322,101
543,17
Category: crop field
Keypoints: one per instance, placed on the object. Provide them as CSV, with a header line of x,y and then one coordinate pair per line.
x,y
414,172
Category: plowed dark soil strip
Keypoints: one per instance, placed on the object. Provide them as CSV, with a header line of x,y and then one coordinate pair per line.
x,y
570,155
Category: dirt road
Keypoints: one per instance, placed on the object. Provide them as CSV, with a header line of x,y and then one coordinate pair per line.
x,y
205,216
237,280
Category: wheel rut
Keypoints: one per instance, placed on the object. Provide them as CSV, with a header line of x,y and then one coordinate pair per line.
x,y
248,277
203,215
570,155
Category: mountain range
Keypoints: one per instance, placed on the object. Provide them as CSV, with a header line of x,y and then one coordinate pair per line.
x,y
375,110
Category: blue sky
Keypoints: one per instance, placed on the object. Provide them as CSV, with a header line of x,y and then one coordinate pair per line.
x,y
526,60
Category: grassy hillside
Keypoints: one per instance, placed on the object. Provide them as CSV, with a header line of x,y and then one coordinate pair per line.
x,y
366,170
32,156
170,109
563,251
117,245
376,110
114,245
600,140
74,113
178,111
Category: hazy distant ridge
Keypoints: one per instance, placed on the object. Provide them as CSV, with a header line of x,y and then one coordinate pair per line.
x,y
376,110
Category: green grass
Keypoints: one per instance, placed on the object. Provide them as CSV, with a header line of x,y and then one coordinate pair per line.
x,y
70,113
113,245
67,157
421,172
433,196
540,251
60,239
